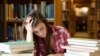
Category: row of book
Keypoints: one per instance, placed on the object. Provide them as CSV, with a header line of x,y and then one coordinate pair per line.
x,y
82,47
14,33
21,10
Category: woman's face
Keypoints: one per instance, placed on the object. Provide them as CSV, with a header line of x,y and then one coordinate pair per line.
x,y
40,30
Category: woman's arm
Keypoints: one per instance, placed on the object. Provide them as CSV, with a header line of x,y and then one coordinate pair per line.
x,y
28,27
29,36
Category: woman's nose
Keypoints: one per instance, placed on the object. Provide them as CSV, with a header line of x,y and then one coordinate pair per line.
x,y
40,33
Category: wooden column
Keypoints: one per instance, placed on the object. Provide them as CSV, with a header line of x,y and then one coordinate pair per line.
x,y
2,26
57,12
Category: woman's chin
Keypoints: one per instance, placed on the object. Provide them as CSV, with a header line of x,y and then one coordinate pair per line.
x,y
42,36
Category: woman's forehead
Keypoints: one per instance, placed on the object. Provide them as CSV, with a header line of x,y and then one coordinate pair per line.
x,y
38,26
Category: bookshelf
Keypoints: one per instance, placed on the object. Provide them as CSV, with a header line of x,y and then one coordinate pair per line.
x,y
14,16
63,14
81,17
14,11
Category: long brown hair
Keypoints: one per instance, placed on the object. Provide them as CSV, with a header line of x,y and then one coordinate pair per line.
x,y
37,16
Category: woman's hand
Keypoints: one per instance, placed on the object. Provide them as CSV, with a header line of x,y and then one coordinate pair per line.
x,y
59,54
28,24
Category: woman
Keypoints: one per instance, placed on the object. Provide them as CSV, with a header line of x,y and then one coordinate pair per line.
x,y
47,39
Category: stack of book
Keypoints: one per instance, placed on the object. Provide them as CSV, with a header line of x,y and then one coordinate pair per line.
x,y
17,55
23,53
82,47
16,47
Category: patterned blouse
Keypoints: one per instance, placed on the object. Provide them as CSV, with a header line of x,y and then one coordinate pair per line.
x,y
60,35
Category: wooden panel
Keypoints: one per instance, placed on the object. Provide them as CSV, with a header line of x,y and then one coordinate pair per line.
x,y
82,1
57,12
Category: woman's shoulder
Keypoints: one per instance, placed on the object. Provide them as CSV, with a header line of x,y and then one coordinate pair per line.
x,y
58,28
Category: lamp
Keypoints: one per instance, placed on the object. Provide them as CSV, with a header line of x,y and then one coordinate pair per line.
x,y
81,11
84,11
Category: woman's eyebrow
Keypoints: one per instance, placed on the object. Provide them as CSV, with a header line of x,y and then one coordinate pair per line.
x,y
31,20
41,28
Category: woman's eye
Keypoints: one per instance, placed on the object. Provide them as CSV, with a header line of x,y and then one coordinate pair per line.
x,y
41,29
36,32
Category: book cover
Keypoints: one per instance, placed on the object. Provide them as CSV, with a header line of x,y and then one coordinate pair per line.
x,y
11,11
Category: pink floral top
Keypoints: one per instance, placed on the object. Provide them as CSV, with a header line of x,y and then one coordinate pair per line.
x,y
60,35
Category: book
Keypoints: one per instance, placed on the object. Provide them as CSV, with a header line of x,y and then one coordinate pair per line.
x,y
20,31
69,54
10,33
77,49
43,8
10,11
82,47
84,44
16,46
23,53
17,54
84,40
91,54
79,53
16,11
86,47
50,11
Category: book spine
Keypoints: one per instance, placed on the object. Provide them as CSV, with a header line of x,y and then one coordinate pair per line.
x,y
43,8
